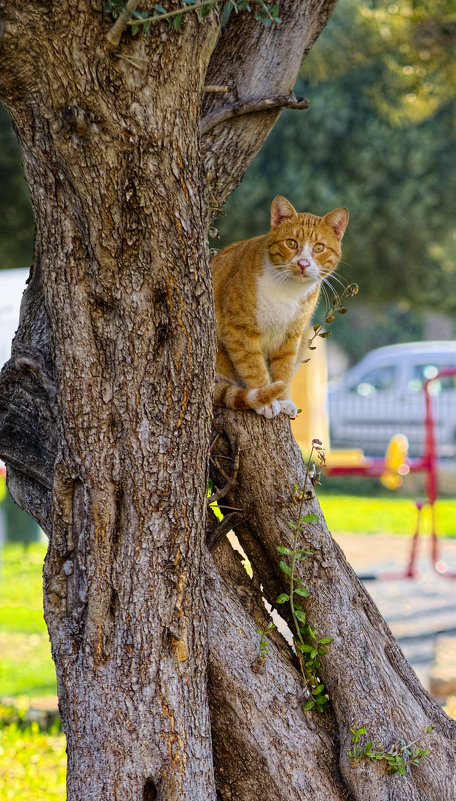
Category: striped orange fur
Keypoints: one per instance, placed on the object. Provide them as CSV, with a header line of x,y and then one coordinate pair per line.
x,y
266,289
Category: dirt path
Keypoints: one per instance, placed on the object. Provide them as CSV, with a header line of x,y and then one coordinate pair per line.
x,y
418,610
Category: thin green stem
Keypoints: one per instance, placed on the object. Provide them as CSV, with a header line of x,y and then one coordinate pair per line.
x,y
293,555
293,564
266,10
174,13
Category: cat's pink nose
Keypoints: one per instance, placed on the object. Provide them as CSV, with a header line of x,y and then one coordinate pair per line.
x,y
304,263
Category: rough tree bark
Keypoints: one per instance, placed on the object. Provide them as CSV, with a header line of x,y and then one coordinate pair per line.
x,y
105,413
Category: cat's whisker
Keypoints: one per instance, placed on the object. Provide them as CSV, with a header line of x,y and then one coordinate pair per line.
x,y
326,284
283,276
280,277
338,278
328,305
324,292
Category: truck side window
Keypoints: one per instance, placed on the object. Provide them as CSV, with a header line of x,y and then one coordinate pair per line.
x,y
422,372
377,380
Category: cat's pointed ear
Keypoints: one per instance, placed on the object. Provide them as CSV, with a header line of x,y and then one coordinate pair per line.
x,y
281,209
337,220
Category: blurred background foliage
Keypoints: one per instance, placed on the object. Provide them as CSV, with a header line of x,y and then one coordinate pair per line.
x,y
16,215
380,138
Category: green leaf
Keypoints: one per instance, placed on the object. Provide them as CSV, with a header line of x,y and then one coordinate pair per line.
x,y
177,21
309,705
292,525
204,11
319,689
309,519
284,567
282,598
301,616
284,550
303,591
303,647
324,640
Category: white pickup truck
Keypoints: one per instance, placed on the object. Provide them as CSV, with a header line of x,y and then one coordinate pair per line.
x,y
383,395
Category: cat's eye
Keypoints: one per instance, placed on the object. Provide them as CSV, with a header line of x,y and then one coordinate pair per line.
x,y
319,247
291,243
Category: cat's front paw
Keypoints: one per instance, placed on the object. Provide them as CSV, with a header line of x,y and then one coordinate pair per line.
x,y
270,410
288,407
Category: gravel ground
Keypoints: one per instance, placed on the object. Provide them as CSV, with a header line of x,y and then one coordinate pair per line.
x,y
420,610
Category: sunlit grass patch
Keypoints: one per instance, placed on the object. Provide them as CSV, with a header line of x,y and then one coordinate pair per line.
x,y
32,762
26,666
395,515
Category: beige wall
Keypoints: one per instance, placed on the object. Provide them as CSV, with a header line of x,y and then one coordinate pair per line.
x,y
308,390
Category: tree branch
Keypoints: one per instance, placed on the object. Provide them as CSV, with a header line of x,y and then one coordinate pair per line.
x,y
256,62
364,670
115,33
242,107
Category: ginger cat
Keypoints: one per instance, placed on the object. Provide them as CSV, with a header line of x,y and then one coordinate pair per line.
x,y
266,289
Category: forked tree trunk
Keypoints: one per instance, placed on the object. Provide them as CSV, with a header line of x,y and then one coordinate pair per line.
x,y
369,682
105,413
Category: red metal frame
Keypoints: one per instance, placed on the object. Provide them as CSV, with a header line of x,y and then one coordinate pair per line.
x,y
427,464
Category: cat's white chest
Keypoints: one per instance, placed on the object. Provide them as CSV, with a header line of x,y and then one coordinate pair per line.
x,y
278,305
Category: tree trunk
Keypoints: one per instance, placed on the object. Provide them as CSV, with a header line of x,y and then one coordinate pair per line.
x,y
121,258
369,682
105,413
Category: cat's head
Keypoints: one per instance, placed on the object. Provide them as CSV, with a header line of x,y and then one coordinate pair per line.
x,y
304,247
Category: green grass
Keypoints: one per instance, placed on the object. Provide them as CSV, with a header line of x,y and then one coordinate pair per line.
x,y
21,576
26,666
393,515
32,761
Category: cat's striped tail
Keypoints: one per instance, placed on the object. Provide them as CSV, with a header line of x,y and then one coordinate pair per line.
x,y
232,396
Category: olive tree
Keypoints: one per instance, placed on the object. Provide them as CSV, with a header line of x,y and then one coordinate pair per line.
x,y
133,134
